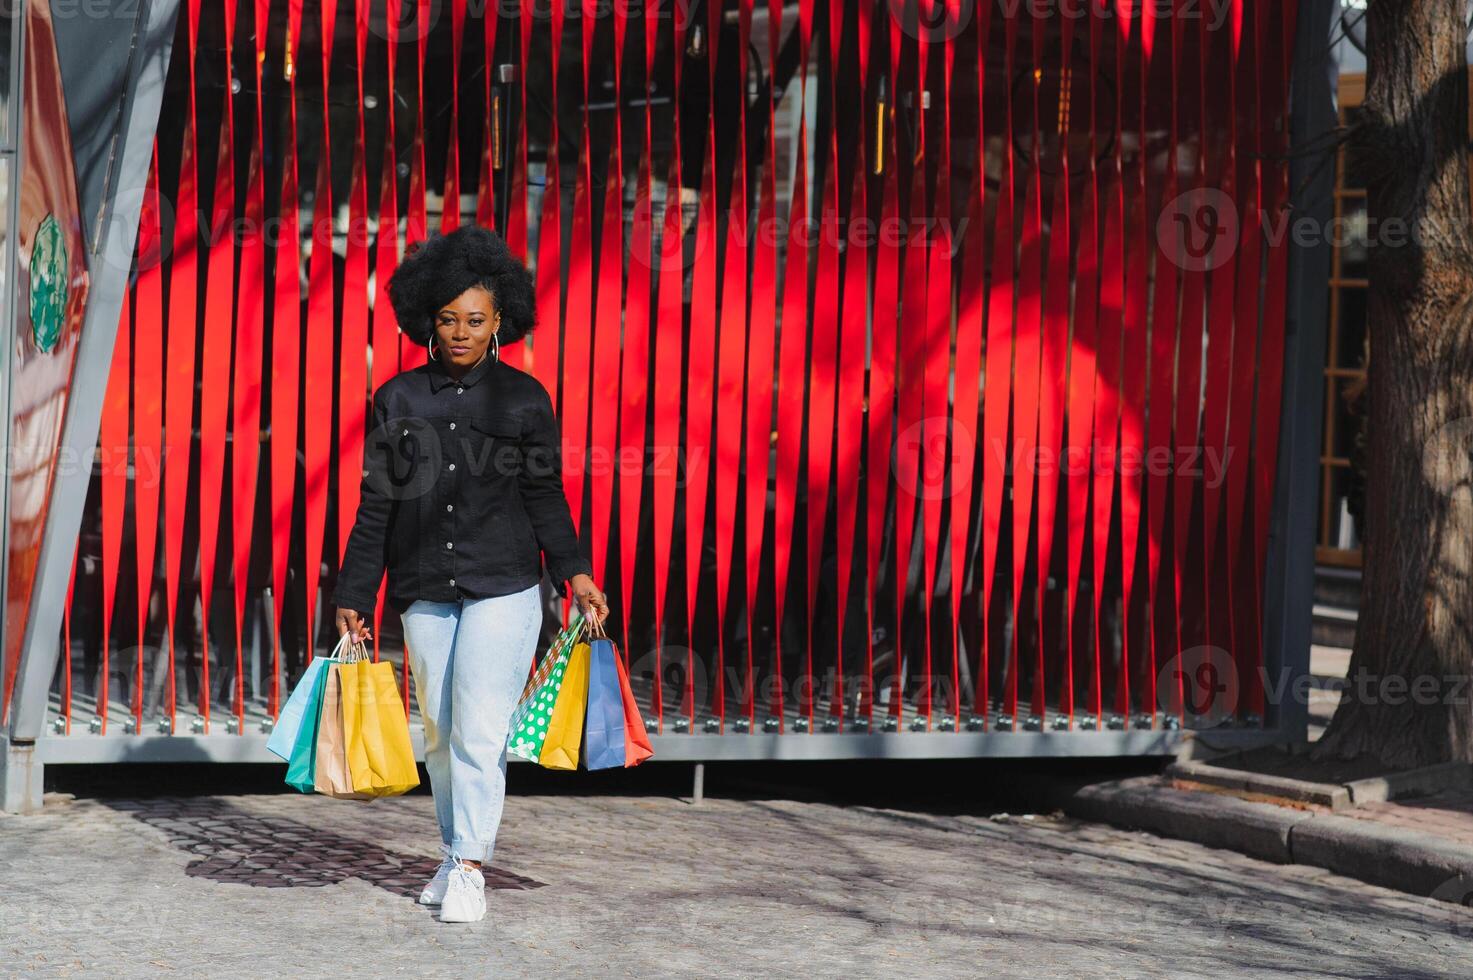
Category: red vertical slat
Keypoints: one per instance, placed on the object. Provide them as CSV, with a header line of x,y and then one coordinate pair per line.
x,y
1133,356
179,380
386,344
668,329
66,649
491,134
607,325
286,352
998,370
1078,454
1275,54
1052,378
792,351
730,362
546,346
822,379
450,202
113,488
849,400
412,355
760,361
214,402
634,371
352,365
910,381
966,400
1162,381
700,372
148,410
317,398
249,350
516,210
1027,349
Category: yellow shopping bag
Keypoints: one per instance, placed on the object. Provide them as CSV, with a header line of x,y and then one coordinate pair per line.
x,y
565,727
380,756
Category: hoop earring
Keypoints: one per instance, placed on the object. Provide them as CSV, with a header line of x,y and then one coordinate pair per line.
x,y
496,348
433,354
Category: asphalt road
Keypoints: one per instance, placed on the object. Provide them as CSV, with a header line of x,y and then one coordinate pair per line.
x,y
750,883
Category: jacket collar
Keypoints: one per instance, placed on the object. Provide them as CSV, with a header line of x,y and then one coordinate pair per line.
x,y
440,379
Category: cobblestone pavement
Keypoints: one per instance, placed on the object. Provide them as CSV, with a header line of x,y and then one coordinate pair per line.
x,y
620,885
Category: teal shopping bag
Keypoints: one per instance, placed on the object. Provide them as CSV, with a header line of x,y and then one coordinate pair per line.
x,y
301,771
289,723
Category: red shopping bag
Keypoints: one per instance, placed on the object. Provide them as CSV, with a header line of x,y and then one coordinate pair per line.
x,y
636,741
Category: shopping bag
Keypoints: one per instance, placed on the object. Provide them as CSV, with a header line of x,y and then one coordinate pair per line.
x,y
565,726
332,776
603,733
293,713
636,740
529,720
301,770
380,755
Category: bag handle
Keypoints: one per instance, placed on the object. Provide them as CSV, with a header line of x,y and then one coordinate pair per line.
x,y
349,651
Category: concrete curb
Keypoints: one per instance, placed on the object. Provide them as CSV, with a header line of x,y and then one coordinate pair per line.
x,y
1335,796
1406,861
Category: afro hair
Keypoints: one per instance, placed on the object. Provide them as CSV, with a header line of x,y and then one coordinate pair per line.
x,y
443,266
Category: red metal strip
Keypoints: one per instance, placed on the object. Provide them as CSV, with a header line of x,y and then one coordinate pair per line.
x,y
450,202
66,649
1027,350
760,375
148,410
700,372
1275,54
1134,355
179,378
286,352
411,354
608,320
547,345
577,326
317,398
250,342
113,490
792,351
214,403
998,368
516,211
634,372
353,371
823,369
849,401
385,328
1078,456
730,362
1053,384
966,401
490,123
668,351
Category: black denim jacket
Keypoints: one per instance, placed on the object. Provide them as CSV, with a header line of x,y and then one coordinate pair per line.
x,y
462,492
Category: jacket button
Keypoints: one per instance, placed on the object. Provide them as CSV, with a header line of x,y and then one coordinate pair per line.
x,y
450,544
460,391
449,507
452,466
452,581
452,425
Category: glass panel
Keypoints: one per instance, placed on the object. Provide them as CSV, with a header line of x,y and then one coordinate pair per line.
x,y
1350,328
1351,238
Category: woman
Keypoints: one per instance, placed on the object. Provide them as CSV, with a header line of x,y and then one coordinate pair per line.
x,y
462,499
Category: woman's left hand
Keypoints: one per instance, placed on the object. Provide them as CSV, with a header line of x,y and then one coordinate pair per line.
x,y
591,599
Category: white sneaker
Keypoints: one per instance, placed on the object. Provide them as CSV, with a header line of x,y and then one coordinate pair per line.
x,y
465,896
434,892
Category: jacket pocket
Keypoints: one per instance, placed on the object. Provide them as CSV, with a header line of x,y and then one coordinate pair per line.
x,y
492,447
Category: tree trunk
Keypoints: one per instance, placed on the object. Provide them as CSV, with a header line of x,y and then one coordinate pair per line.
x,y
1407,702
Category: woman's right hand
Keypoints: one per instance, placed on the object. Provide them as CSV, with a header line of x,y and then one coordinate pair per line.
x,y
349,621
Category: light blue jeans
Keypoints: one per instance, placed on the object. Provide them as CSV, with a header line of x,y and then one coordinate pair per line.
x,y
470,661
